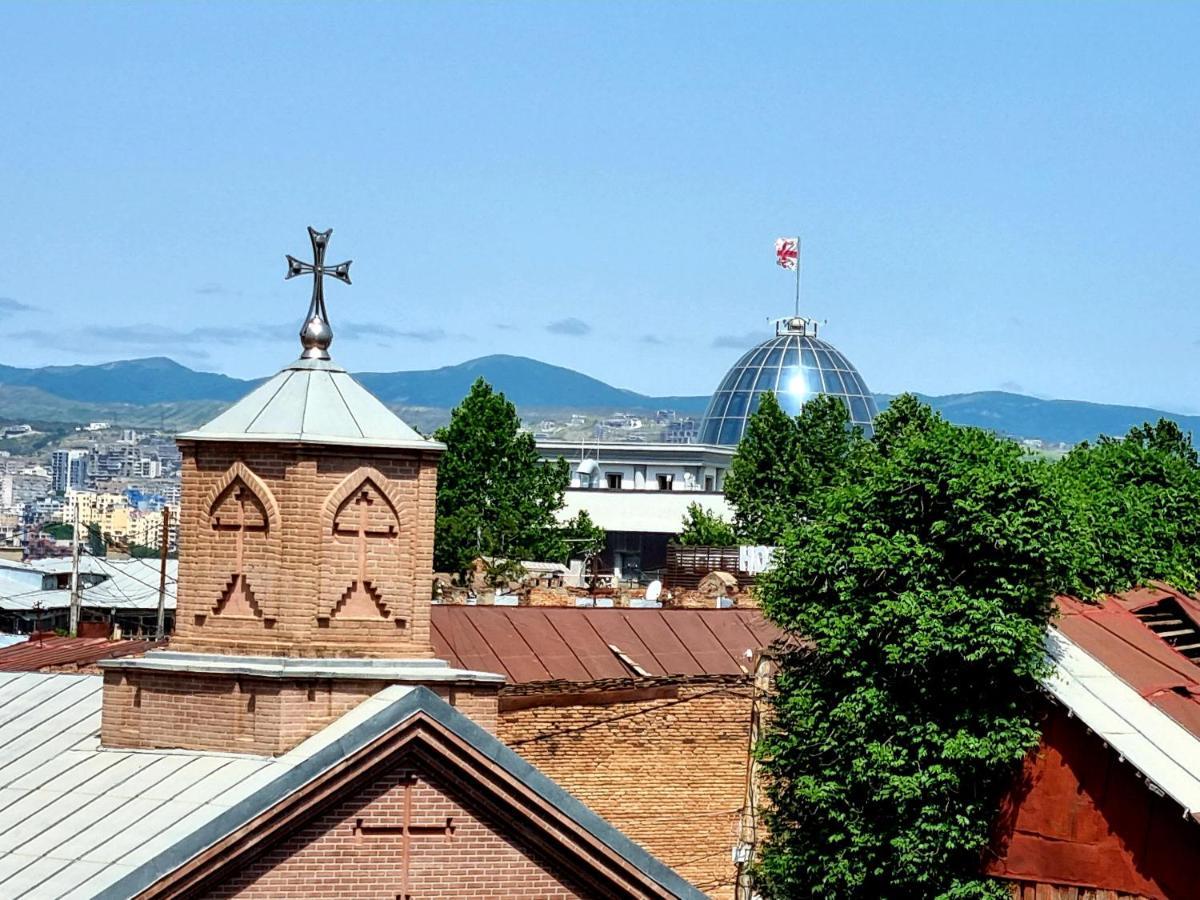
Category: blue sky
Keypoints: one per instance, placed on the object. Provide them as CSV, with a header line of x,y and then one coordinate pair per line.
x,y
990,196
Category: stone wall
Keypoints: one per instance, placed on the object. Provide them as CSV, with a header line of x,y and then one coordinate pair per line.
x,y
301,551
663,760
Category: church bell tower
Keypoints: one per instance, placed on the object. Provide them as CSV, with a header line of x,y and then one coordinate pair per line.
x,y
306,561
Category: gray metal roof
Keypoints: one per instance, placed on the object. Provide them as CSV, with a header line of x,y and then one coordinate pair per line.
x,y
312,401
74,818
80,821
129,584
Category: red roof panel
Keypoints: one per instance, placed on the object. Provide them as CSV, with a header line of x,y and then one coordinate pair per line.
x,y
591,651
1110,632
46,652
530,644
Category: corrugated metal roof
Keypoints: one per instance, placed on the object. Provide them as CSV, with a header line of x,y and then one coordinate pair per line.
x,y
531,643
75,818
1111,633
45,652
128,584
1153,742
312,401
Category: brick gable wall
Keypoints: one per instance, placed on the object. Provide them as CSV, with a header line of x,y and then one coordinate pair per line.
x,y
669,771
357,849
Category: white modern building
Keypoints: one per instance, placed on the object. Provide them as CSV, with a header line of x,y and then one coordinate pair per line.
x,y
639,493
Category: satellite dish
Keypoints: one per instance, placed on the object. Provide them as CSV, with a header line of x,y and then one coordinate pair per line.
x,y
588,467
654,591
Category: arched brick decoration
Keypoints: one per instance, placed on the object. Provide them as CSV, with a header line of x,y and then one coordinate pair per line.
x,y
239,470
243,519
366,566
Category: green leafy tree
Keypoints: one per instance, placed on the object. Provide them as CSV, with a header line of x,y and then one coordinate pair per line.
x,y
1134,505
97,545
920,580
496,497
581,537
702,528
783,463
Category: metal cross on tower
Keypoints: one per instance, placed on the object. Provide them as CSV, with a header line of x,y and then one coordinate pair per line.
x,y
316,334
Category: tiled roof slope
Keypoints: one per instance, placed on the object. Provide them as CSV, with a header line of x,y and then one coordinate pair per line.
x,y
532,644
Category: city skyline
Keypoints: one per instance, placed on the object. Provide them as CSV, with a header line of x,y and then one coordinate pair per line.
x,y
989,198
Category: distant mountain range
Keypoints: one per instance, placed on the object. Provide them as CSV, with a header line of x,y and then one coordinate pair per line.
x,y
159,391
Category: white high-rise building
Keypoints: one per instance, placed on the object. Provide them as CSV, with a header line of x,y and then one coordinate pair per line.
x,y
68,469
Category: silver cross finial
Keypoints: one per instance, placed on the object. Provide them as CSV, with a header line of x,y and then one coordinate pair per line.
x,y
316,334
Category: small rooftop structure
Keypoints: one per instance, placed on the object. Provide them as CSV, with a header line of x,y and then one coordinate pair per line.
x,y
1110,801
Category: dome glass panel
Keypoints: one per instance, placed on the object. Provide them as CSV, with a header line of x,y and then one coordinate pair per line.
x,y
797,366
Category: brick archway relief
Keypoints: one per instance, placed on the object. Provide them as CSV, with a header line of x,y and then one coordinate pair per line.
x,y
361,557
243,517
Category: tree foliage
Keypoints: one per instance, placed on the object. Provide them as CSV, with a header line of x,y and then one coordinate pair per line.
x,y
1134,505
496,496
921,574
582,538
702,528
782,464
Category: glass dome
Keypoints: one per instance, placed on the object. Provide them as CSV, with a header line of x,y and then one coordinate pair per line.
x,y
796,365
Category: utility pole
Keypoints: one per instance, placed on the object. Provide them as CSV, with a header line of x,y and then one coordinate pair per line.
x,y
160,627
73,625
747,845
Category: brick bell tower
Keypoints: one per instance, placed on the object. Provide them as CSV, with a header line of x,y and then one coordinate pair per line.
x,y
305,565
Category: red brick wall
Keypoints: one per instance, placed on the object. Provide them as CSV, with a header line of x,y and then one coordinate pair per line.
x,y
147,710
332,858
668,772
296,566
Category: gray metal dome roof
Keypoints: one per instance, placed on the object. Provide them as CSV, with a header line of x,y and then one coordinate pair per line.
x,y
796,365
312,401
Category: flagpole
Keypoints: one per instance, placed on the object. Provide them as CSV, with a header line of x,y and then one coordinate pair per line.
x,y
797,276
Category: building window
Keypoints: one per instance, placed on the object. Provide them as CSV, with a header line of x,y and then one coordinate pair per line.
x,y
710,483
614,480
665,482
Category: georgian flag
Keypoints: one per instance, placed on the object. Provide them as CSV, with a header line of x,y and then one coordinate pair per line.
x,y
787,250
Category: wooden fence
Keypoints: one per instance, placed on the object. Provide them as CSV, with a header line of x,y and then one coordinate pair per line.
x,y
686,566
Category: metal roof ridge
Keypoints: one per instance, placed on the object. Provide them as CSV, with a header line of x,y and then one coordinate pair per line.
x,y
349,409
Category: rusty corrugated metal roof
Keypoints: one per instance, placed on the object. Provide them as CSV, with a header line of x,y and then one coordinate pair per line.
x,y
1111,632
52,650
533,643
